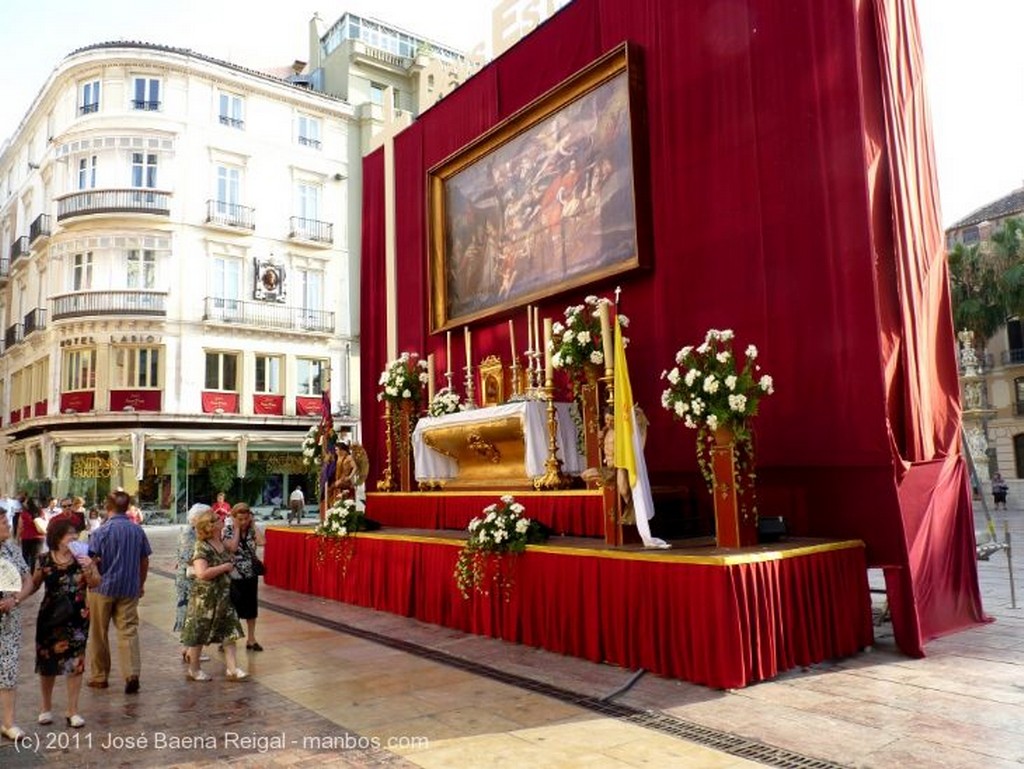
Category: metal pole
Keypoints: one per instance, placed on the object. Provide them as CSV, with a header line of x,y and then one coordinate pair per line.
x,y
1009,563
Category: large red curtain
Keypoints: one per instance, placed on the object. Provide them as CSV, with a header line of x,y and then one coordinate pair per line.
x,y
793,199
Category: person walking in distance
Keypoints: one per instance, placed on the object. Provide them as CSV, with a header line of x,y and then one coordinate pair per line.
x,y
123,551
296,504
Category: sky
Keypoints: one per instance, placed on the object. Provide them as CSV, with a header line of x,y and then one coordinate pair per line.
x,y
974,59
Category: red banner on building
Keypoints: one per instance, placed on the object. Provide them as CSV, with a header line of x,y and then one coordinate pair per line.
x,y
268,404
135,400
40,409
220,403
307,407
77,401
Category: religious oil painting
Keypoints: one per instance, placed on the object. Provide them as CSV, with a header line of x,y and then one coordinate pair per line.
x,y
543,203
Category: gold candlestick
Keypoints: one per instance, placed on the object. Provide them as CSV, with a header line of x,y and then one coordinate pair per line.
x,y
517,388
387,482
553,477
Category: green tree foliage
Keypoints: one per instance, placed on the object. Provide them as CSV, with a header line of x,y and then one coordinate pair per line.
x,y
976,290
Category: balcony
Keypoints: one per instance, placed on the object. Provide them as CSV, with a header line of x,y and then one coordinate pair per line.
x,y
87,109
123,201
40,228
20,247
1012,357
35,320
234,122
12,336
306,141
311,230
267,315
82,304
148,106
230,215
5,268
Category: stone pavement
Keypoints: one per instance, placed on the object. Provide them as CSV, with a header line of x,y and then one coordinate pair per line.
x,y
341,686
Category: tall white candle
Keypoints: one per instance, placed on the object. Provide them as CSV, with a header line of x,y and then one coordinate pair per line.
x,y
430,377
512,338
536,329
469,353
549,369
529,328
448,358
606,334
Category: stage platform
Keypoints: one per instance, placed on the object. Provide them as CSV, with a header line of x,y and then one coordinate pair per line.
x,y
724,619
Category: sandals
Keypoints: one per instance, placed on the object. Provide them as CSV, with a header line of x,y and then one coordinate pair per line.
x,y
46,717
76,721
198,676
236,675
13,733
254,647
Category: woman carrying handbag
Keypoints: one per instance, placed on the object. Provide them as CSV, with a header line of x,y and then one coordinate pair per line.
x,y
248,569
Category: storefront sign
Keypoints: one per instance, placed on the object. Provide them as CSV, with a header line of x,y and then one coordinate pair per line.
x,y
83,466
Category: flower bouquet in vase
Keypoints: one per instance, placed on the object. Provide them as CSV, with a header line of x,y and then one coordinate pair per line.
x,y
343,519
717,394
402,382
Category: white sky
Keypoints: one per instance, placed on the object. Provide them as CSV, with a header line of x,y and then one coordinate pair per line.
x,y
974,53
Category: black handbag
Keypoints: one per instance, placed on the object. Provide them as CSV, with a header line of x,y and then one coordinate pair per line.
x,y
258,567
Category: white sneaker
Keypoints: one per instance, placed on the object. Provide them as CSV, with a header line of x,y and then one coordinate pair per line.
x,y
46,717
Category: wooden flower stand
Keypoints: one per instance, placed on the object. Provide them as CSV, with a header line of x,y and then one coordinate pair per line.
x,y
733,528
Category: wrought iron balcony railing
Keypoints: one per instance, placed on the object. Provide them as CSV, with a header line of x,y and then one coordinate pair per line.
x,y
267,315
85,109
40,228
150,106
35,320
94,303
311,229
20,247
12,336
234,122
230,214
1018,409
1013,357
306,141
121,201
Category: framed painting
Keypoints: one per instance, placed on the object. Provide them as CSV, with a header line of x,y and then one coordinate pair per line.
x,y
544,202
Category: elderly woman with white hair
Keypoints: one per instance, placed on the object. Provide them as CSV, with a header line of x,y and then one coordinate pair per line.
x,y
184,577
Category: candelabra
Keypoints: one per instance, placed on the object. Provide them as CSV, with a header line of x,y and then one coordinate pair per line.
x,y
470,395
387,481
553,477
448,378
516,384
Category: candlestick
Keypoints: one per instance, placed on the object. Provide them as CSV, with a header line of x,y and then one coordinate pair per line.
x,y
606,335
430,378
469,354
448,358
536,329
529,329
549,368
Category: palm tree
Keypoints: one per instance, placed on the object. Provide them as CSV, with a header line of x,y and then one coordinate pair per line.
x,y
977,292
1008,261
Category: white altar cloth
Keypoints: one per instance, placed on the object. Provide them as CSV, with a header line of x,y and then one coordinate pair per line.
x,y
434,466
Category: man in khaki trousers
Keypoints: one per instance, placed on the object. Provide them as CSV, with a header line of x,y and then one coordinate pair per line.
x,y
123,551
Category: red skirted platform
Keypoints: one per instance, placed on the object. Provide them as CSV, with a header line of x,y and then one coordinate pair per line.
x,y
575,513
722,619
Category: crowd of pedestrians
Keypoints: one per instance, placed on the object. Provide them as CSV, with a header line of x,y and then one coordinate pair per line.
x,y
92,568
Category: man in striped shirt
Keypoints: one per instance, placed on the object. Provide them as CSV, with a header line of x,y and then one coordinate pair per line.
x,y
123,551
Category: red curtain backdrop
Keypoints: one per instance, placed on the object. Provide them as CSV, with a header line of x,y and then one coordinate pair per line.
x,y
793,200
721,625
373,348
140,400
226,402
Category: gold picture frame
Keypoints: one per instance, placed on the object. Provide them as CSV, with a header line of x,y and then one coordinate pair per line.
x,y
546,201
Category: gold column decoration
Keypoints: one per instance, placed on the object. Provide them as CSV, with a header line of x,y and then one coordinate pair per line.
x,y
387,483
553,477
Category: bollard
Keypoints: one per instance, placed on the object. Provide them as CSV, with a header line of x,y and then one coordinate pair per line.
x,y
1009,563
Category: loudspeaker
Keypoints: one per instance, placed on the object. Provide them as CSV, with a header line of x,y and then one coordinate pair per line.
x,y
771,529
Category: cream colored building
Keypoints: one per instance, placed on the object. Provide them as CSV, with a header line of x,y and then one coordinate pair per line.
x,y
178,274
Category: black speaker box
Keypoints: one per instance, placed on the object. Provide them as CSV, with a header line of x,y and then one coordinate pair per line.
x,y
771,529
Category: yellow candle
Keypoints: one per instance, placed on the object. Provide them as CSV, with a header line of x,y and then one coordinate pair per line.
x,y
606,334
469,354
512,338
430,377
448,358
549,369
536,329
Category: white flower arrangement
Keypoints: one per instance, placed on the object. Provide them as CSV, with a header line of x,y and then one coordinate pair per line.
x,y
577,345
312,455
504,528
403,379
342,519
446,401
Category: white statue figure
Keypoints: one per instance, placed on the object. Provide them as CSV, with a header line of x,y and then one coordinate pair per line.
x,y
972,395
968,356
978,444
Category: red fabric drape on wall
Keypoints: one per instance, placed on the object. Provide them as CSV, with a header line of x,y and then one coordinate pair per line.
x,y
373,344
793,200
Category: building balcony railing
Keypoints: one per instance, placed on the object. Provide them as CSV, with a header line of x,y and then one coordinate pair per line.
x,y
5,268
86,109
306,141
230,215
1012,357
12,336
267,315
35,320
40,228
121,201
234,122
150,106
311,229
1018,409
20,247
95,303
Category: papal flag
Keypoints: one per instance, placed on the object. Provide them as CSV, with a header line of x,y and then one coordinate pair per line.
x,y
629,449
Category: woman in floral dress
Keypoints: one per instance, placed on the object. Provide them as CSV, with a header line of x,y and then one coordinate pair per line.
x,y
183,575
10,629
60,642
210,617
